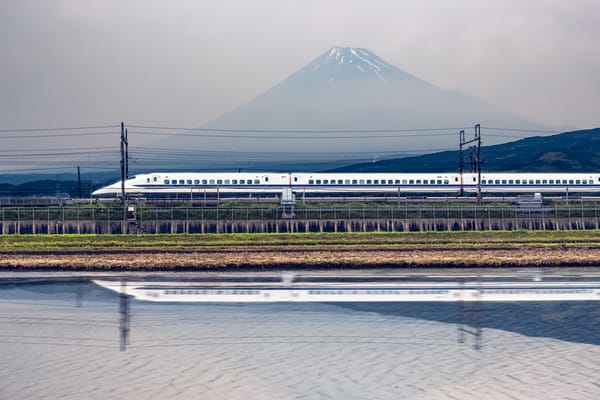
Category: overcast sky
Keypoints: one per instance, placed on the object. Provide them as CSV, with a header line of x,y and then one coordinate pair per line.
x,y
185,62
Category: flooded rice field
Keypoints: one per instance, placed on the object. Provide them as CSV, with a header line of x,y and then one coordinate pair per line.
x,y
73,339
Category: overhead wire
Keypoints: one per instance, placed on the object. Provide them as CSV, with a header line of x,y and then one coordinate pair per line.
x,y
69,128
142,154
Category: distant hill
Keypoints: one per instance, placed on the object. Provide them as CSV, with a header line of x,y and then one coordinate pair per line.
x,y
565,152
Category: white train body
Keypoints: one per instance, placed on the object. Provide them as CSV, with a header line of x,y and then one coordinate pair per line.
x,y
349,182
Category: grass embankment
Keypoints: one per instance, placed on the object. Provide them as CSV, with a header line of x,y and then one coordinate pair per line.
x,y
327,250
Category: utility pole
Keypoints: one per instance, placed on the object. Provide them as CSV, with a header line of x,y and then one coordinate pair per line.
x,y
461,161
479,161
124,170
475,162
79,180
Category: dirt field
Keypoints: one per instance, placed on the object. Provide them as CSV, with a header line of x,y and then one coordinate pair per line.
x,y
201,252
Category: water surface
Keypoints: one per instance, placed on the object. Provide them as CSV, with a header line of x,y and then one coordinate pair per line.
x,y
63,339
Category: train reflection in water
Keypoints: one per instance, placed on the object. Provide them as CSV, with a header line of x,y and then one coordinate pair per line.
x,y
354,292
469,293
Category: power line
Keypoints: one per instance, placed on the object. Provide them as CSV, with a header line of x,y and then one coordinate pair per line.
x,y
63,149
70,128
62,168
57,135
518,130
293,130
290,137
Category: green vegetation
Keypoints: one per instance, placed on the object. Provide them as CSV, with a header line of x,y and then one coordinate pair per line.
x,y
567,152
47,187
428,240
299,251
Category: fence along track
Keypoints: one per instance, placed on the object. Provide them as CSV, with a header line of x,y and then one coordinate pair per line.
x,y
402,217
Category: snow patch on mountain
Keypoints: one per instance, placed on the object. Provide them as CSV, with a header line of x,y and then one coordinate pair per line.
x,y
339,60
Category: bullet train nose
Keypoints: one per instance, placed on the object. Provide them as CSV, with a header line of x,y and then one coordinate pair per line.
x,y
110,189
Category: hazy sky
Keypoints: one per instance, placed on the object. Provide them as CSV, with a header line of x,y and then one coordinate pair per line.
x,y
184,62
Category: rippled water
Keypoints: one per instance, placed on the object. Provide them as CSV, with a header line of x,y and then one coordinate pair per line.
x,y
62,340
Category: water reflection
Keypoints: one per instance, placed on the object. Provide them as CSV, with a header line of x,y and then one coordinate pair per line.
x,y
124,311
68,333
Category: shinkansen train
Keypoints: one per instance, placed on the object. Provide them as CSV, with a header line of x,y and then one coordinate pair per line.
x,y
349,183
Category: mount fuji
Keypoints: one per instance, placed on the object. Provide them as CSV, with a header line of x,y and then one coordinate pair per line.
x,y
347,90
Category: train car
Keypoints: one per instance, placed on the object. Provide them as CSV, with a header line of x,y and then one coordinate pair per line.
x,y
166,183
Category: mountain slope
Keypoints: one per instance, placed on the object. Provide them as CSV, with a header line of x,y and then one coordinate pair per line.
x,y
566,152
350,89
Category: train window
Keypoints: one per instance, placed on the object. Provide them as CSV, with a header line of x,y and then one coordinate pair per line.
x,y
340,181
266,179
325,181
227,181
390,181
537,181
181,182
148,180
376,181
295,179
446,182
411,182
504,181
361,181
455,179
439,182
518,181
511,182
552,181
256,181
497,181
397,181
166,182
368,181
174,182
234,181
425,181
318,181
577,182
204,181
155,179
311,182
347,181
474,180
189,181
354,181
483,182
544,182
418,181
584,182
219,181
196,181
212,181
531,181
564,181
404,181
